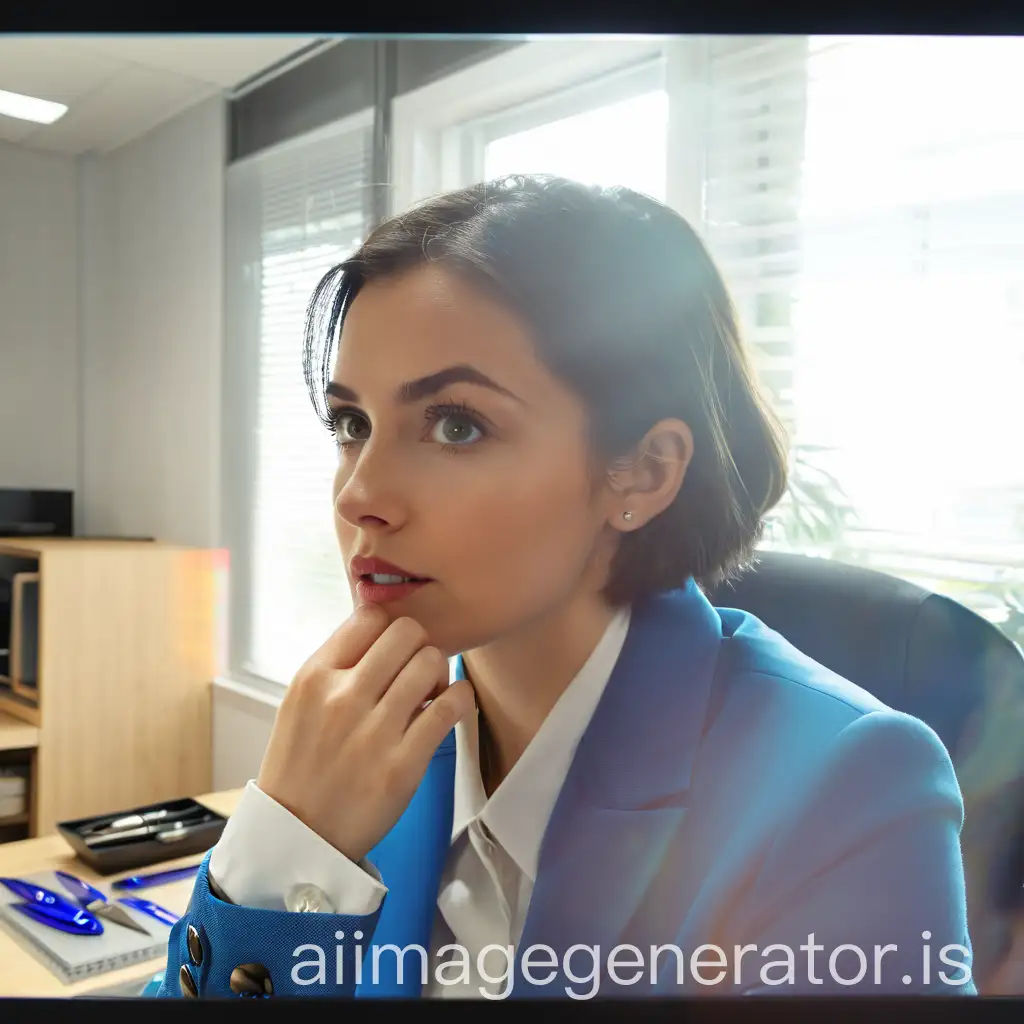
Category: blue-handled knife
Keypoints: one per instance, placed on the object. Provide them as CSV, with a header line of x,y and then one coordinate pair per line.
x,y
81,923
49,908
91,899
35,893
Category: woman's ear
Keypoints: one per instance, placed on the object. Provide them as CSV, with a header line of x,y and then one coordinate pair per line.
x,y
642,485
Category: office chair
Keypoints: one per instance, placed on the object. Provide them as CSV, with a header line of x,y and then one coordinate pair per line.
x,y
924,654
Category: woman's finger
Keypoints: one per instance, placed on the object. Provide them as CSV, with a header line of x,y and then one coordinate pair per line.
x,y
350,642
438,718
424,677
388,655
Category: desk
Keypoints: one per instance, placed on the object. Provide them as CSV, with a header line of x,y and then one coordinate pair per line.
x,y
21,974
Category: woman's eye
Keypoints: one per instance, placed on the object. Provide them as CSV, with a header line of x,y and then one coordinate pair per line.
x,y
350,426
456,428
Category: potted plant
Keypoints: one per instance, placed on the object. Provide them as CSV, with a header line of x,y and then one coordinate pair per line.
x,y
814,513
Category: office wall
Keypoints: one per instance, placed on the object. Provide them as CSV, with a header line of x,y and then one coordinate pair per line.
x,y
152,240
39,309
241,728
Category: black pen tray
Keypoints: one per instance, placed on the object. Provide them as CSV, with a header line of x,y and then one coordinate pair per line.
x,y
138,851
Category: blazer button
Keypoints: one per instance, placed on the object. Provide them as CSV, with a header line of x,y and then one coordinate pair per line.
x,y
187,983
251,980
195,946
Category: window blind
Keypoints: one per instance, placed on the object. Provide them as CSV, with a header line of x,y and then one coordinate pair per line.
x,y
754,145
865,199
300,209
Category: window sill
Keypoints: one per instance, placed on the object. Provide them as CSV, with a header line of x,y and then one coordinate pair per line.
x,y
263,692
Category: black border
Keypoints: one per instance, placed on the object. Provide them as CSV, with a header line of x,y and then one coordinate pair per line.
x,y
979,17
784,1010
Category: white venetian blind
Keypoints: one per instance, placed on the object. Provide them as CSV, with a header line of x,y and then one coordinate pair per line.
x,y
754,146
865,199
308,204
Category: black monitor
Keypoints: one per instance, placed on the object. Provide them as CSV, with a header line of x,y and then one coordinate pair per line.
x,y
25,513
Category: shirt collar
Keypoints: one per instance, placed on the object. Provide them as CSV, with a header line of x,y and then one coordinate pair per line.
x,y
518,811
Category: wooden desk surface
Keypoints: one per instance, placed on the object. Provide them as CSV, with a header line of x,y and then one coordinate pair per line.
x,y
21,974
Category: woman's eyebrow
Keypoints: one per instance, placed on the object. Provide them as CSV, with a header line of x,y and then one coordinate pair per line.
x,y
414,390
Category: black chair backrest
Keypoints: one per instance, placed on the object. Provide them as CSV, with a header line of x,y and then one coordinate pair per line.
x,y
929,656
918,651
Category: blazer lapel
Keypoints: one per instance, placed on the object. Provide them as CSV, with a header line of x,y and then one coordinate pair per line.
x,y
625,795
410,859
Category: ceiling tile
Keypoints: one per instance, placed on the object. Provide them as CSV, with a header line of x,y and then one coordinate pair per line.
x,y
118,87
52,69
12,129
127,105
220,60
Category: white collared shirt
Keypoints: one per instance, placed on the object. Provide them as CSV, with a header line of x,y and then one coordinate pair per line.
x,y
489,874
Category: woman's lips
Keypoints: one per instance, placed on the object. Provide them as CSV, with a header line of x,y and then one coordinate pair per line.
x,y
382,593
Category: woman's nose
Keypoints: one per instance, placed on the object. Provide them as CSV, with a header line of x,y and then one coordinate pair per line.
x,y
369,495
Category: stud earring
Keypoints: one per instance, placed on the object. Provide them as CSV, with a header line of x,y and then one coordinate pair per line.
x,y
627,516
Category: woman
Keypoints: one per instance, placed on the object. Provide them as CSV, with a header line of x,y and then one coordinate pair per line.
x,y
550,437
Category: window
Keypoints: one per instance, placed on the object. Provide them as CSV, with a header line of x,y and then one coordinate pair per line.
x,y
609,132
871,221
293,213
525,109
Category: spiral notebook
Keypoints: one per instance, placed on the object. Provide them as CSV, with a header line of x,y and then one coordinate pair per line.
x,y
73,957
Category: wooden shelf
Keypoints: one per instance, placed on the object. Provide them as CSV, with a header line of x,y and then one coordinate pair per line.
x,y
14,819
124,639
16,734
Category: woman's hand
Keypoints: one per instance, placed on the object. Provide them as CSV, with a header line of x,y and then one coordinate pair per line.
x,y
352,739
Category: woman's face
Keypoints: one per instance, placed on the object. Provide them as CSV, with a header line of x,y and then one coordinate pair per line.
x,y
462,461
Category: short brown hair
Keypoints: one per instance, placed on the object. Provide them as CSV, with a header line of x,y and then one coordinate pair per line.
x,y
629,310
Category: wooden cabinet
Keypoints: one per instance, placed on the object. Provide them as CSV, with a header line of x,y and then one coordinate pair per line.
x,y
106,694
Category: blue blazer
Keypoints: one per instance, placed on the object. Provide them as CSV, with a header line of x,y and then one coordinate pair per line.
x,y
728,791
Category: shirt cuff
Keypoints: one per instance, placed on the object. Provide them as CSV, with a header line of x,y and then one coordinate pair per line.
x,y
264,851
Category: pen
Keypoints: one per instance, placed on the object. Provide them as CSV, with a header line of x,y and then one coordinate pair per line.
x,y
155,878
